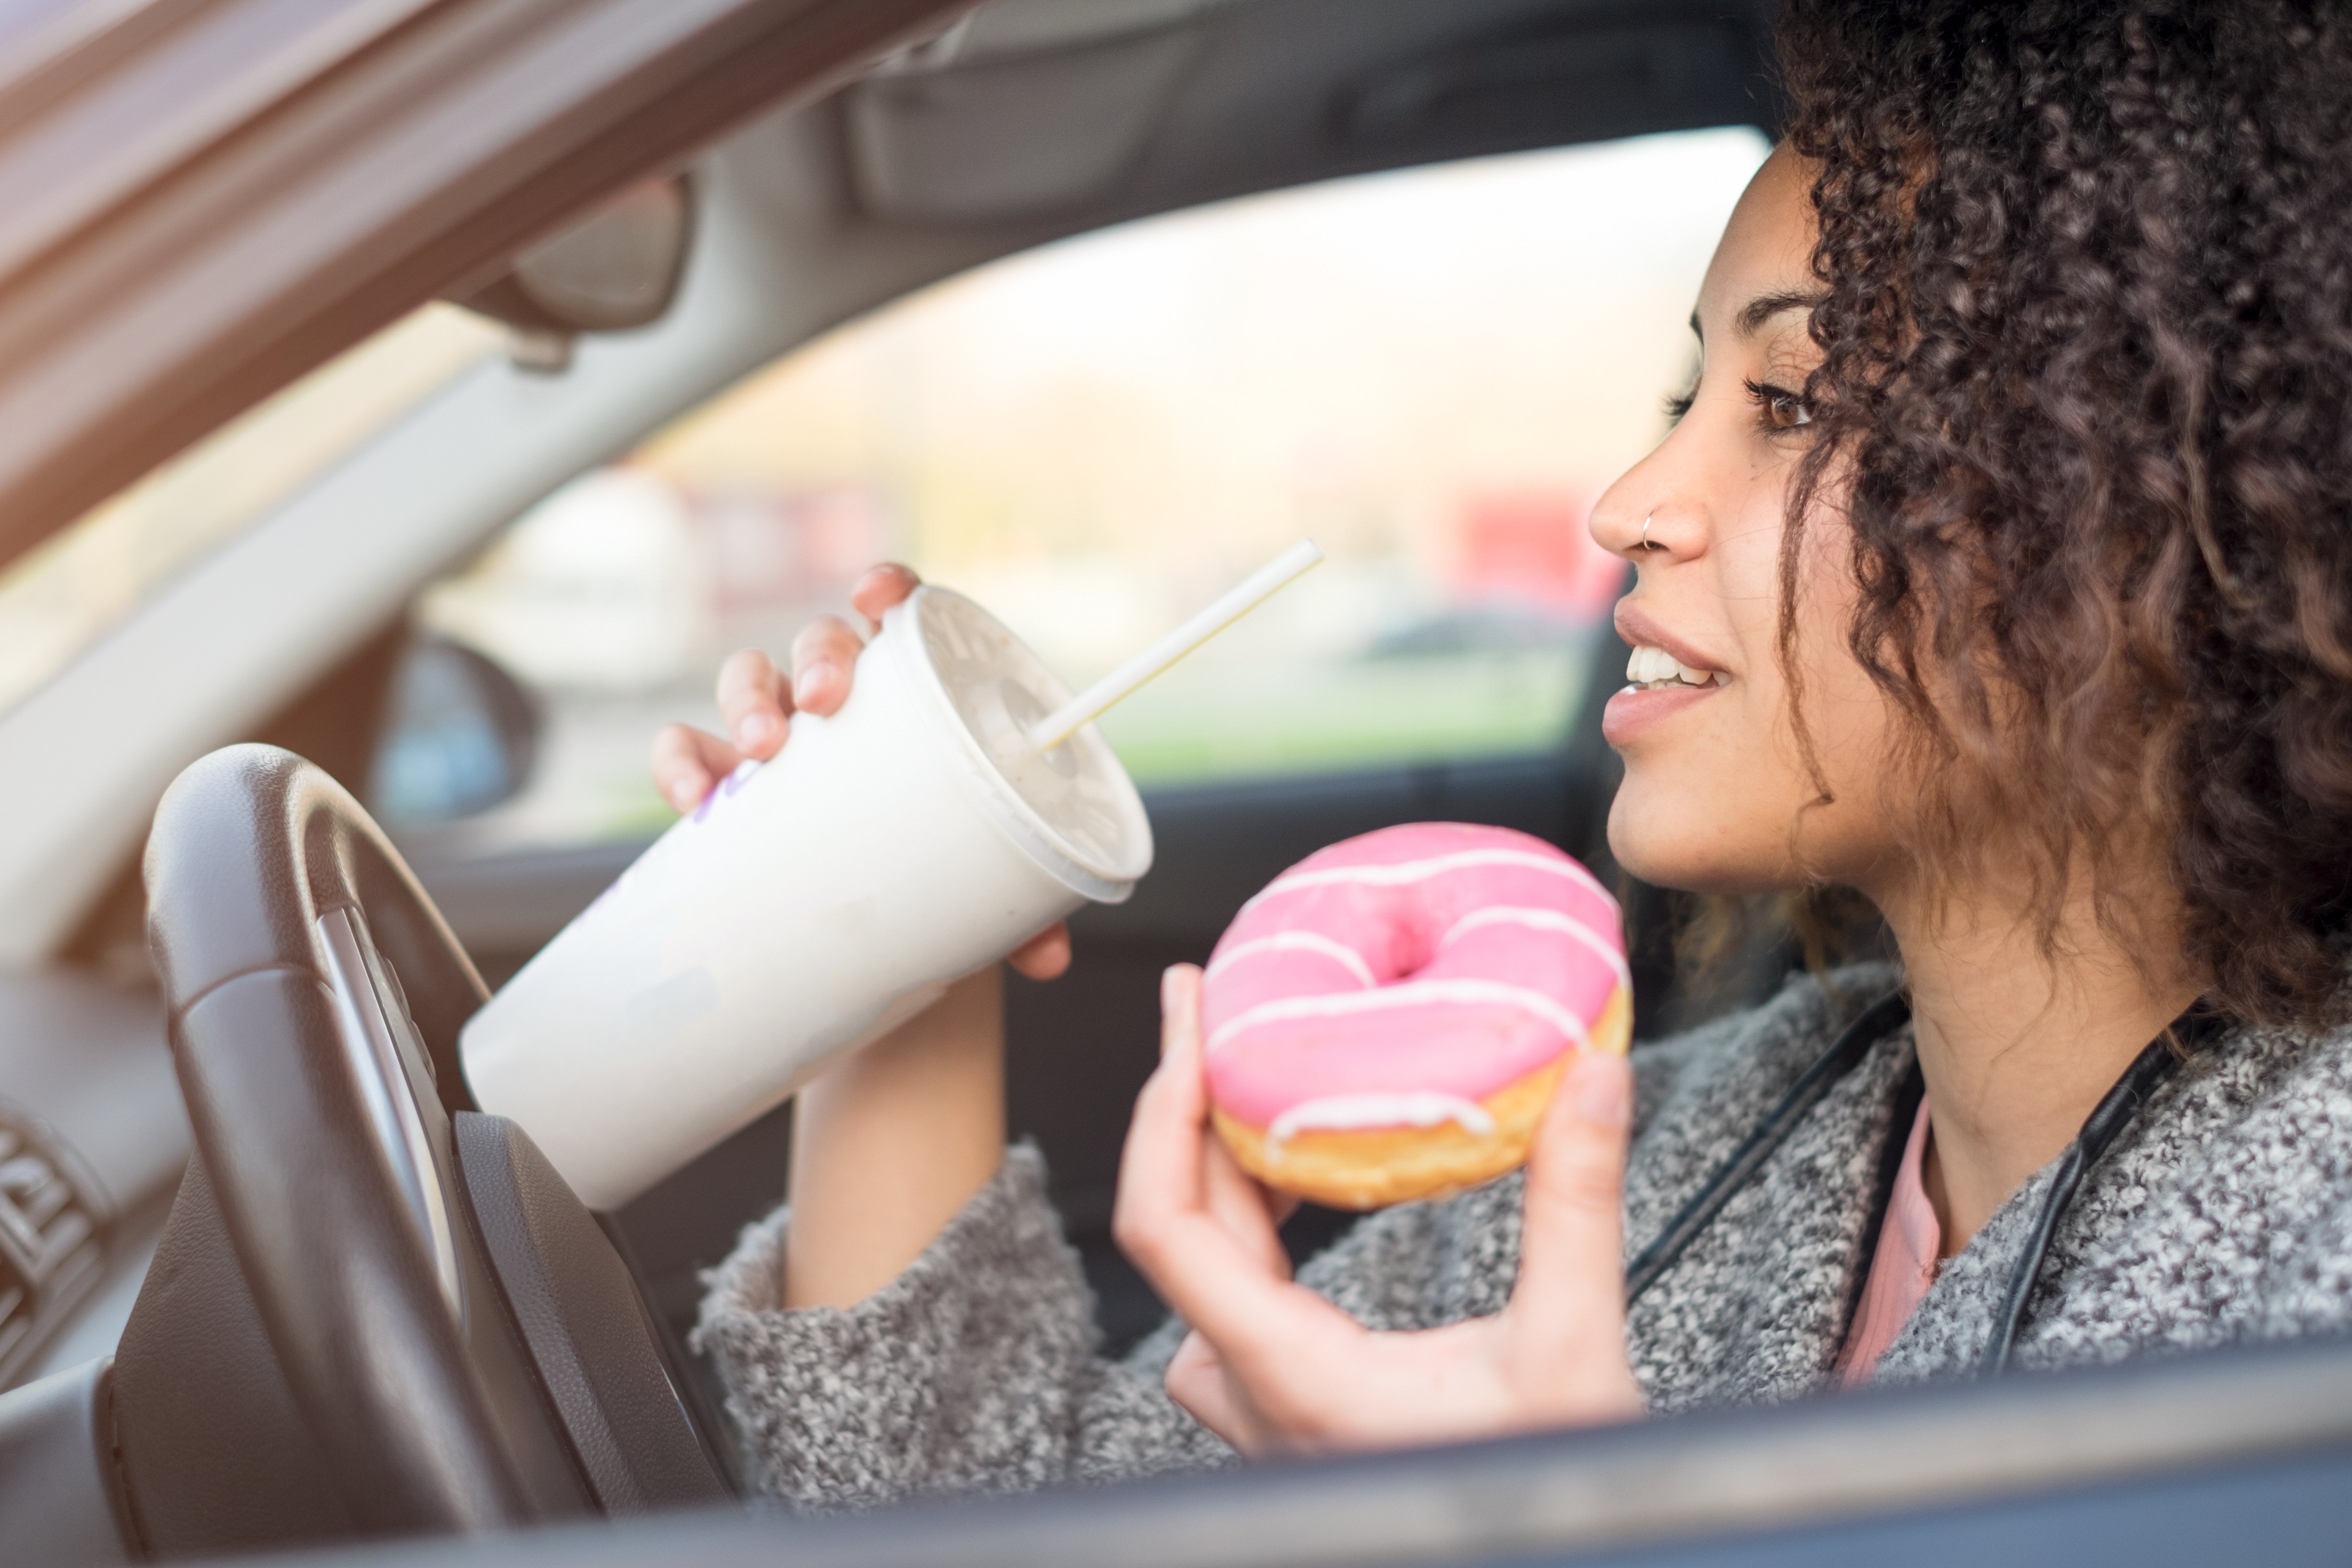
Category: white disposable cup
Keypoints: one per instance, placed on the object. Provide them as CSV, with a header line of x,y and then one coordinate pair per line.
x,y
810,905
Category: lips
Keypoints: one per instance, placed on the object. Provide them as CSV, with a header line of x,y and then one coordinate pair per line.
x,y
1667,672
1640,628
1636,710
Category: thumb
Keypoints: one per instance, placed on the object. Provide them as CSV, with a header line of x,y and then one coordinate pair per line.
x,y
1572,1227
1196,1381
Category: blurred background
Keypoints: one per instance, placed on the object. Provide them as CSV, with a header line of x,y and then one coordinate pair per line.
x,y
1433,373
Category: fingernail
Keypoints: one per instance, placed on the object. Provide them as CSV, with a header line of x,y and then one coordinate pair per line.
x,y
688,791
756,729
1600,1091
1168,989
806,682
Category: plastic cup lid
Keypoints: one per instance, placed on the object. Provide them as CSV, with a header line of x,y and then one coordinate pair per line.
x,y
1073,808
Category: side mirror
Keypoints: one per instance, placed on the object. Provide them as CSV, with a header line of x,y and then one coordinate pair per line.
x,y
460,735
615,270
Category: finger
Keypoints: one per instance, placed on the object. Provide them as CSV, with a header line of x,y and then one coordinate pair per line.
x,y
1249,1212
1180,1010
822,657
1160,1218
1196,1381
754,701
686,763
1160,1164
1046,955
881,587
1572,1253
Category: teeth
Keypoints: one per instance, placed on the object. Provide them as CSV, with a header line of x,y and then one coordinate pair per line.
x,y
1649,665
1655,667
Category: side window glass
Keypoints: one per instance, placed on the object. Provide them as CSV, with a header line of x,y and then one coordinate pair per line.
x,y
1433,373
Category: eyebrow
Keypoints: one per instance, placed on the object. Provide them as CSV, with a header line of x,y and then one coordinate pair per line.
x,y
1764,307
1761,309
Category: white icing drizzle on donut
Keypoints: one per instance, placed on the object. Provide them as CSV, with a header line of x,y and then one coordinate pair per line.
x,y
1542,920
1359,1112
1411,993
1296,942
1407,871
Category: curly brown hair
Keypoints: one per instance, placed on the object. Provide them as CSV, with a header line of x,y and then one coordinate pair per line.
x,y
2086,405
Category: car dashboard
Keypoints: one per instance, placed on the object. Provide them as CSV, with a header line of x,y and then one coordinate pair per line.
x,y
92,1141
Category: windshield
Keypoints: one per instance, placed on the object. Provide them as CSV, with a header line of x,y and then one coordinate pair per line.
x,y
1433,373
61,597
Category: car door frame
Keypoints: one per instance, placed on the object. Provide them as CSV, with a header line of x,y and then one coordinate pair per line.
x,y
201,201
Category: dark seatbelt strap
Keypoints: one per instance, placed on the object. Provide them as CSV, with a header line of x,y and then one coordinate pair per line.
x,y
2183,1038
1877,1021
2195,1029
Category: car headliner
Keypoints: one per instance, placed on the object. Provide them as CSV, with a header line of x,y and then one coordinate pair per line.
x,y
198,202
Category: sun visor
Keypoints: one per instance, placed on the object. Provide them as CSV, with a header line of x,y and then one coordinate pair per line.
x,y
1018,136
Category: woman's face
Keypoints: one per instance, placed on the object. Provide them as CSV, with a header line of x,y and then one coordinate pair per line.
x,y
1715,781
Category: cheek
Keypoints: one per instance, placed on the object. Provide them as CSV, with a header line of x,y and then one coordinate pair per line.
x,y
1850,720
1708,798
1709,805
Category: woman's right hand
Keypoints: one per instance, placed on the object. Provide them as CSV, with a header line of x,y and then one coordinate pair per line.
x,y
756,702
1273,1367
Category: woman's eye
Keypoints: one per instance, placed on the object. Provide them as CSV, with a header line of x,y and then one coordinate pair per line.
x,y
1679,405
1778,408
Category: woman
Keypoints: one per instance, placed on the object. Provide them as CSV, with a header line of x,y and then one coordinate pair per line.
x,y
2005,541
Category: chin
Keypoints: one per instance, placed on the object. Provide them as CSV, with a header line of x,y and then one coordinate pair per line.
x,y
1652,836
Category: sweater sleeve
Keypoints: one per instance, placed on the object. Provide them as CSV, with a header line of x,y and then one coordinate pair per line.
x,y
978,1370
975,1370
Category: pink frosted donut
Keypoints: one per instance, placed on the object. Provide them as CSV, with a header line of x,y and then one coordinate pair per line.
x,y
1387,1020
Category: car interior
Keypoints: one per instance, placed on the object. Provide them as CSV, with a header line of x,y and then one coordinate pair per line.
x,y
250,1302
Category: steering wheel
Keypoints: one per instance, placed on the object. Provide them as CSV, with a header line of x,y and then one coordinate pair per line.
x,y
375,1310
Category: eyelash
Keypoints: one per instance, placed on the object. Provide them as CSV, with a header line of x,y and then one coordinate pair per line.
x,y
1763,393
1768,397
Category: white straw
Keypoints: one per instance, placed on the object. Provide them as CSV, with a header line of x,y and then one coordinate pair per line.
x,y
1252,591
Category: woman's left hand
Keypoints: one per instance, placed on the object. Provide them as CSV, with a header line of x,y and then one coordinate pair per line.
x,y
1273,1368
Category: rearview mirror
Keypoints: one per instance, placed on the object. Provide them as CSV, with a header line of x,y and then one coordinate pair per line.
x,y
615,270
459,737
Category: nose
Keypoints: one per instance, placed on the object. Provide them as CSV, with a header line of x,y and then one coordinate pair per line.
x,y
1640,534
1656,511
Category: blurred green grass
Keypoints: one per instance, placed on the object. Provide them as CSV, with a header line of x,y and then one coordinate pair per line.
x,y
1217,726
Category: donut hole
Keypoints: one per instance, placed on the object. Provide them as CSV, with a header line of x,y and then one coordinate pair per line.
x,y
1412,928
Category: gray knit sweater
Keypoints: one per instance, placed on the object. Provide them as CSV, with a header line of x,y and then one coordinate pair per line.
x,y
2224,1214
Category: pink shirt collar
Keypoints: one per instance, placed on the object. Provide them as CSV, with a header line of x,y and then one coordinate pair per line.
x,y
1905,1264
